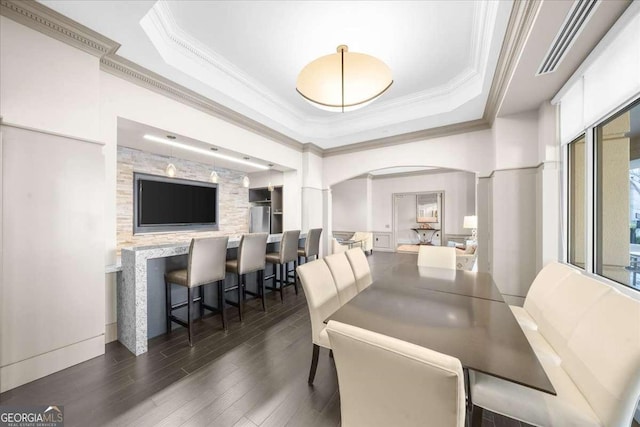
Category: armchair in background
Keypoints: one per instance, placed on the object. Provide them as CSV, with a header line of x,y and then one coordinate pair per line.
x,y
366,240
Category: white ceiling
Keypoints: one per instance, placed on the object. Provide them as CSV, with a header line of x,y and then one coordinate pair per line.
x,y
247,55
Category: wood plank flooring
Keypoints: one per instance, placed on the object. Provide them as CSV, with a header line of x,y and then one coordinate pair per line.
x,y
254,375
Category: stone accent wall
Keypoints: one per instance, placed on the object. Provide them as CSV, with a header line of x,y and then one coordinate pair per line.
x,y
233,199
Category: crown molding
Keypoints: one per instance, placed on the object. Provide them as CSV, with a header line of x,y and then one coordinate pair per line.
x,y
47,21
453,129
310,147
141,76
521,20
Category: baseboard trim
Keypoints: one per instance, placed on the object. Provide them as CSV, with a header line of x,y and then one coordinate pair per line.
x,y
110,332
19,373
375,249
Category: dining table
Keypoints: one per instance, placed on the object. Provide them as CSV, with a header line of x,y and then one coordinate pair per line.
x,y
454,312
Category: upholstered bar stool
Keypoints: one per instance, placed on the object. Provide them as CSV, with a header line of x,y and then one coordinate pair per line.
x,y
288,253
206,265
311,245
251,258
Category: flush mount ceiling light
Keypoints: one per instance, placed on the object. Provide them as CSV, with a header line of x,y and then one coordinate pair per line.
x,y
205,152
343,81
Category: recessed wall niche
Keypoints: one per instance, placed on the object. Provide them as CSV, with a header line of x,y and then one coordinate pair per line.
x,y
233,198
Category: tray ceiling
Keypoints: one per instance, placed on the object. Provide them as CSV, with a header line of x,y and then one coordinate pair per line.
x,y
247,55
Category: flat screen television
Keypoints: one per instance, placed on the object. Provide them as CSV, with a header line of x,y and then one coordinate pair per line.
x,y
164,204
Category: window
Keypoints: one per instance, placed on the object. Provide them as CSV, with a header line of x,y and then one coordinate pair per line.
x,y
577,202
617,212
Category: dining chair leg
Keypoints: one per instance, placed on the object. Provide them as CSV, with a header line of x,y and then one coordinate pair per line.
x,y
240,277
262,293
476,416
168,303
314,363
189,304
221,304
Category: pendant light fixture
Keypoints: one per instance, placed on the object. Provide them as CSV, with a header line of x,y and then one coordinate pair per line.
x,y
343,81
214,175
170,170
270,185
245,181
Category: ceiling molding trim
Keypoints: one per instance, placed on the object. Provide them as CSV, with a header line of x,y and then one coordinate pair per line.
x,y
136,74
523,16
310,147
453,129
47,21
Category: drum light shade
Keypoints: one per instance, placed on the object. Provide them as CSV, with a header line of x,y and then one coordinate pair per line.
x,y
343,81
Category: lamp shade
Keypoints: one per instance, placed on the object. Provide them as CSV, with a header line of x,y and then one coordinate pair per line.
x,y
470,222
343,81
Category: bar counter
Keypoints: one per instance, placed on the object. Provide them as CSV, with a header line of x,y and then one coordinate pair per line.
x,y
142,287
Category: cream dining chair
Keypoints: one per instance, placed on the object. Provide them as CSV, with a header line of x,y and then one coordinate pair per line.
x,y
384,381
437,256
342,276
360,266
322,300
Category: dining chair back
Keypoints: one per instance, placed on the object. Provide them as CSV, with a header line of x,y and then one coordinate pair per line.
x,y
360,266
437,256
384,381
342,276
546,281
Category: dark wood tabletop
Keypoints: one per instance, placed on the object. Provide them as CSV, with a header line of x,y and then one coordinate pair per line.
x,y
468,283
482,333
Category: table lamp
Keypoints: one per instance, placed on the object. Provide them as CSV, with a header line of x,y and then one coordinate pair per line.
x,y
471,222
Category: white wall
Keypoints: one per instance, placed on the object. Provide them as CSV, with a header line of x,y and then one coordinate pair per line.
x,y
473,152
351,205
46,84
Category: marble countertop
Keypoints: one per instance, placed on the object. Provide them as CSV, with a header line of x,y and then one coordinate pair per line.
x,y
179,248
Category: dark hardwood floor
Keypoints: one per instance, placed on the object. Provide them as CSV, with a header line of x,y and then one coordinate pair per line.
x,y
254,375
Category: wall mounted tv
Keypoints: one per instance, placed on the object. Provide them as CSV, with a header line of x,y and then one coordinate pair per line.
x,y
162,204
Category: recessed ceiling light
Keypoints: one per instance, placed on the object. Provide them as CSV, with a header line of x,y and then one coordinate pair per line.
x,y
246,158
171,137
203,151
213,149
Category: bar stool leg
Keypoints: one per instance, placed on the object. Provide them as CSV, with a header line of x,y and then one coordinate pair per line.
x,y
189,304
240,280
201,292
262,292
168,303
221,304
283,279
295,280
